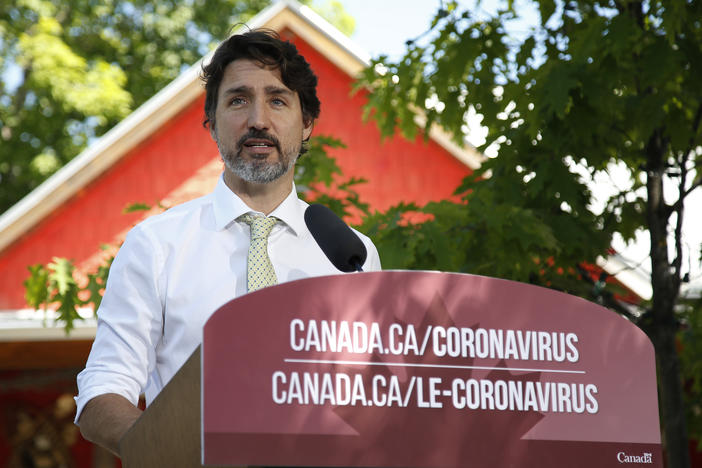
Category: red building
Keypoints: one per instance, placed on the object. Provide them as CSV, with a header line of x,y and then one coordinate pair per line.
x,y
162,153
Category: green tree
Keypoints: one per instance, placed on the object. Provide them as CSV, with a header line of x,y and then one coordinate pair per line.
x,y
591,85
72,69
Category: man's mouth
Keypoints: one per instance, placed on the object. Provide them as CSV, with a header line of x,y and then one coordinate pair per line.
x,y
259,144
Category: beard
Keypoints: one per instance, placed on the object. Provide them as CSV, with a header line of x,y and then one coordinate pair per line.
x,y
260,171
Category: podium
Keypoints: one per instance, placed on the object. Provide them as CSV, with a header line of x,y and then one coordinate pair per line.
x,y
407,369
168,432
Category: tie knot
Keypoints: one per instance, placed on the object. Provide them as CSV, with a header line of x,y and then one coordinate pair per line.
x,y
261,226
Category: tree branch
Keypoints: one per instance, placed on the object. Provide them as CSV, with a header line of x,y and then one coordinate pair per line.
x,y
21,92
686,157
677,239
679,205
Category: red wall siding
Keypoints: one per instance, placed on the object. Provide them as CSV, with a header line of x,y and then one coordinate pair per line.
x,y
94,215
396,169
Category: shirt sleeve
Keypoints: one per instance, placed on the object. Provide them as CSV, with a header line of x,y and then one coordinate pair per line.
x,y
130,321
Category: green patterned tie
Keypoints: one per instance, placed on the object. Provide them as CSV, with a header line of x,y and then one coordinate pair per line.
x,y
259,269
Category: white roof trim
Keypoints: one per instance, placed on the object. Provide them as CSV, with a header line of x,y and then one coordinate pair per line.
x,y
166,104
468,155
330,31
691,290
632,277
38,325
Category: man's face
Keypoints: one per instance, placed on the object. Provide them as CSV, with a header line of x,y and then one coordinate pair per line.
x,y
259,127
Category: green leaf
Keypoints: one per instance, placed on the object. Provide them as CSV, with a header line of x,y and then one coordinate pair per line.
x,y
66,291
137,206
36,292
554,92
96,285
316,166
61,276
546,8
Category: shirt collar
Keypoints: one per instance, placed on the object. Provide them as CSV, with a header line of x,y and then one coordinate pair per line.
x,y
228,207
292,212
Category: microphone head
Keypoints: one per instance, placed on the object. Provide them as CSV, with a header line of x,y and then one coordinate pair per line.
x,y
339,243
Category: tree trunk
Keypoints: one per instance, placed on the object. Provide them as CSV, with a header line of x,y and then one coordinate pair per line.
x,y
663,324
671,398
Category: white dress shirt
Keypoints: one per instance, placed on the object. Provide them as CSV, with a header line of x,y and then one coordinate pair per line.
x,y
172,272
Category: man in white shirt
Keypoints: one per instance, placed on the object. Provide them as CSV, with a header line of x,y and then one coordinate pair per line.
x,y
176,268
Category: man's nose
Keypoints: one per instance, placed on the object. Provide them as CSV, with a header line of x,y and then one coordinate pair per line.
x,y
258,116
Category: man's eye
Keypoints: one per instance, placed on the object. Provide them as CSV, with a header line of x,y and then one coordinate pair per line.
x,y
278,102
237,101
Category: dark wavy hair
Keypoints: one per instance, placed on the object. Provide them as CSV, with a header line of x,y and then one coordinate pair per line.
x,y
266,47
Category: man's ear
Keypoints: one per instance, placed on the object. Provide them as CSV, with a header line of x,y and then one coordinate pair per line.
x,y
307,129
212,129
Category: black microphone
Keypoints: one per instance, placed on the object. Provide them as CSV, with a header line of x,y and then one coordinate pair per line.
x,y
338,242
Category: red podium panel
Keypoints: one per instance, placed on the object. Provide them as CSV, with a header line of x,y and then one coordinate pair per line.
x,y
425,369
